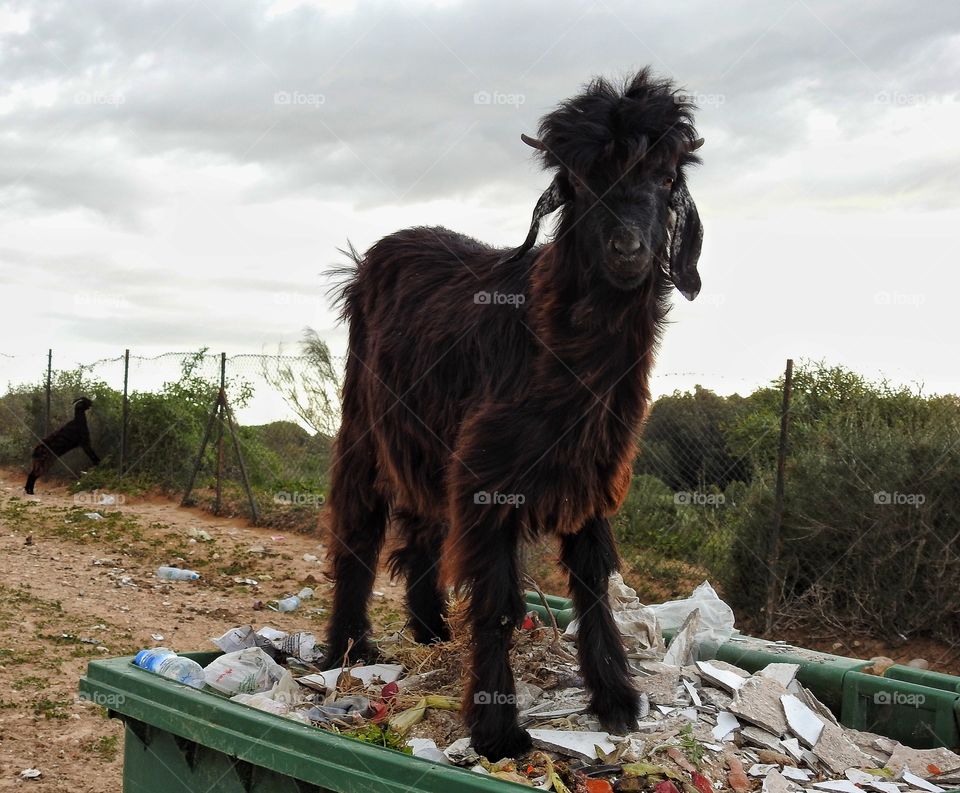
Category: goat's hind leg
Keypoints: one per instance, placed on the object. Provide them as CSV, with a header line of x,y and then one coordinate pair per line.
x,y
590,556
358,520
418,560
40,465
31,479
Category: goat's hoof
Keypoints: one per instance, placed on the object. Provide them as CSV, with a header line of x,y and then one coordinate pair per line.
x,y
425,635
333,658
617,710
512,742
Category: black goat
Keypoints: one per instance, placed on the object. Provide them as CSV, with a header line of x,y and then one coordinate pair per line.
x,y
491,395
71,435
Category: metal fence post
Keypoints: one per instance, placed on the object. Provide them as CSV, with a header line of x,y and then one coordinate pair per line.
x,y
221,400
46,415
125,415
773,557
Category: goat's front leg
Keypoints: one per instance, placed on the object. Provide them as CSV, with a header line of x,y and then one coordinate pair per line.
x,y
485,554
88,450
590,556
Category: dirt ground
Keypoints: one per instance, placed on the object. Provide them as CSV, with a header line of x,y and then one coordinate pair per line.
x,y
81,589
74,588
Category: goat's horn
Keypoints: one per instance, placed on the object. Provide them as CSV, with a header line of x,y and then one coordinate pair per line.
x,y
696,144
533,143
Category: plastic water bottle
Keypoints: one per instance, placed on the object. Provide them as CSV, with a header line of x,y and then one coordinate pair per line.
x,y
177,574
293,602
165,662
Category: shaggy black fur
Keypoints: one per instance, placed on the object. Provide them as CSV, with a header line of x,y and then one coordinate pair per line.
x,y
71,435
490,396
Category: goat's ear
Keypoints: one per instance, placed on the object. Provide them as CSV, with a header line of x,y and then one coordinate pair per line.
x,y
551,200
685,238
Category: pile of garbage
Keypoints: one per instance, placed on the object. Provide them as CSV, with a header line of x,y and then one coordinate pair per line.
x,y
705,725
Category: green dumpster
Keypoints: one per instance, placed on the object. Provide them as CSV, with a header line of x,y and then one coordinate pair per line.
x,y
181,739
920,716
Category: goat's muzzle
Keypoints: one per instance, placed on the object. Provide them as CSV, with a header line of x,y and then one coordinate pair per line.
x,y
629,260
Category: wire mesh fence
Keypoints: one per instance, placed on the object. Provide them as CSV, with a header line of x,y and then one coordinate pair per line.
x,y
866,538
149,418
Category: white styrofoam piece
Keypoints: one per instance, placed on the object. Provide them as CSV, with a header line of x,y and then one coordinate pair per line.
x,y
803,722
724,678
918,782
692,691
838,786
386,672
726,723
574,743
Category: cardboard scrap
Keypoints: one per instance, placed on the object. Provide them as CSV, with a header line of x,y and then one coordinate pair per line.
x,y
919,761
758,702
784,674
683,647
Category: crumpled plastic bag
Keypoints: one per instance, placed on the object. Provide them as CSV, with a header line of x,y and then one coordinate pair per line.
x,y
249,671
284,695
637,623
716,619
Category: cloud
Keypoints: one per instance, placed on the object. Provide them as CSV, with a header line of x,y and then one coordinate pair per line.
x,y
387,103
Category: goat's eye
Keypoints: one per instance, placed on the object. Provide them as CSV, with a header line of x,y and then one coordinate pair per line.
x,y
667,182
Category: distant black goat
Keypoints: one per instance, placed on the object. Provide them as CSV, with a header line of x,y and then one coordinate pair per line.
x,y
71,435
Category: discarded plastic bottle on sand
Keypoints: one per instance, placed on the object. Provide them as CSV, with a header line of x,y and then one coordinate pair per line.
x,y
165,662
177,574
293,602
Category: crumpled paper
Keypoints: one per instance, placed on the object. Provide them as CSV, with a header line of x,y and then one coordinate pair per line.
x,y
638,623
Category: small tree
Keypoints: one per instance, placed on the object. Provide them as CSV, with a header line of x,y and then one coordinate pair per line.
x,y
310,384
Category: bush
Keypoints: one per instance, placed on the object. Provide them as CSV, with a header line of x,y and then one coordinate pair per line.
x,y
678,525
871,503
685,444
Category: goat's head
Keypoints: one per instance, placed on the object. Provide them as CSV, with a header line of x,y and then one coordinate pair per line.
x,y
620,156
82,404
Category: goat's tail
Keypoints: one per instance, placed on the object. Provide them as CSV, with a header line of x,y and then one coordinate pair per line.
x,y
343,278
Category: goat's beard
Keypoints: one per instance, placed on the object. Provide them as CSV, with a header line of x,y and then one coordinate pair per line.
x,y
629,282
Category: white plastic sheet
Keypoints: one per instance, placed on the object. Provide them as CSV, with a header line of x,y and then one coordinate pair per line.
x,y
716,618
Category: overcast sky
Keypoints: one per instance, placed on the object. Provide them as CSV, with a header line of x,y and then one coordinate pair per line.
x,y
180,174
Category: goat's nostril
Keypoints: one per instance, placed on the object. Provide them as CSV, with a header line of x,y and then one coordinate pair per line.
x,y
626,243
